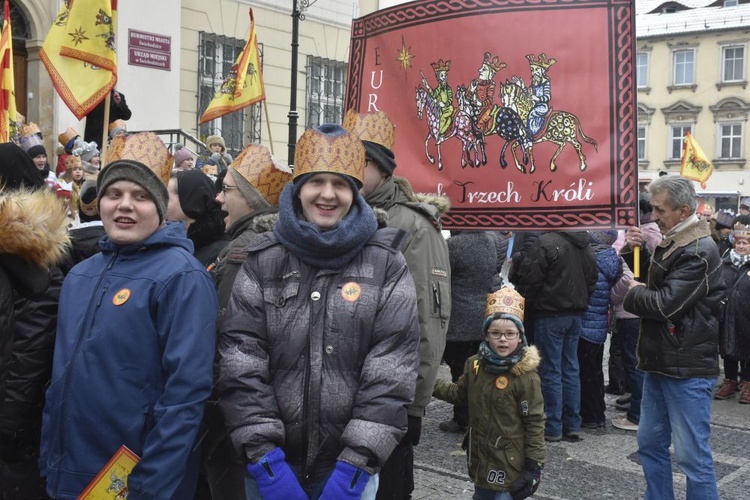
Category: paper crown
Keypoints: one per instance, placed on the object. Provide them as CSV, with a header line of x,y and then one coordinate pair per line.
x,y
373,127
724,219
256,165
81,147
493,62
73,161
87,199
506,300
330,148
117,124
542,62
741,229
30,141
441,65
144,147
30,129
66,138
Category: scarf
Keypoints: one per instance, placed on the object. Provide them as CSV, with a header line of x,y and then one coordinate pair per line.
x,y
332,249
494,363
737,259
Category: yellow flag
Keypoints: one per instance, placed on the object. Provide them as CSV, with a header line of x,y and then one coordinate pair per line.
x,y
243,85
9,128
79,53
695,165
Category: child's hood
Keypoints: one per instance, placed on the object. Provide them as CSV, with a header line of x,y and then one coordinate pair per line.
x,y
529,362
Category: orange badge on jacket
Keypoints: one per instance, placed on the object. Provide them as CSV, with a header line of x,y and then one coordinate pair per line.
x,y
351,291
121,297
501,382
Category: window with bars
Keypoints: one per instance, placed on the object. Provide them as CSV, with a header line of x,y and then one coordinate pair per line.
x,y
733,63
216,57
684,67
677,139
730,135
326,85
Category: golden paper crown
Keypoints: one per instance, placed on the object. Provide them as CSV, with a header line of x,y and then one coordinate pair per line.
x,y
441,65
67,136
373,127
144,147
493,62
117,124
256,165
542,62
73,161
330,148
30,129
741,229
506,300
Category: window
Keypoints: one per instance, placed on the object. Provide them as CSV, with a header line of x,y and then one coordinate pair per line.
x,y
730,135
683,61
641,143
676,140
326,84
216,57
733,63
731,3
641,64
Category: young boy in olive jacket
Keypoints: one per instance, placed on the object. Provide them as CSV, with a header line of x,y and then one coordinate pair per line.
x,y
505,440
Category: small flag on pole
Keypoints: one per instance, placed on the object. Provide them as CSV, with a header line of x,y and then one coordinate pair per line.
x,y
8,112
695,165
79,53
243,85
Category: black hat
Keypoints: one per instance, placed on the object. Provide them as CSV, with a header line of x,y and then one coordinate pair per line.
x,y
382,156
35,151
197,193
17,170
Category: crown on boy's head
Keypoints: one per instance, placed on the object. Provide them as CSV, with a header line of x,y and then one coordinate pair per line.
x,y
740,229
506,300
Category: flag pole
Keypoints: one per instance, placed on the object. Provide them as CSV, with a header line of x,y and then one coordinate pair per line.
x,y
105,129
268,124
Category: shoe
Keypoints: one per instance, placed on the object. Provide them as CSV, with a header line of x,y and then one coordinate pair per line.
x,y
745,394
624,407
726,389
624,424
552,439
451,426
623,400
593,425
572,437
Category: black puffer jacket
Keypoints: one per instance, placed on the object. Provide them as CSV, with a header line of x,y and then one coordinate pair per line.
x,y
679,307
734,334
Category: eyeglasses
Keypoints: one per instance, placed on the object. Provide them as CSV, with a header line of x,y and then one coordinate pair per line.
x,y
227,187
369,160
508,335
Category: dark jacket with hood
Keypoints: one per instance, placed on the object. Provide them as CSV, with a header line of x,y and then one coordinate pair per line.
x,y
734,336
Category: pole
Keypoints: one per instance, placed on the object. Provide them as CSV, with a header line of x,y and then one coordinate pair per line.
x,y
296,14
268,124
105,130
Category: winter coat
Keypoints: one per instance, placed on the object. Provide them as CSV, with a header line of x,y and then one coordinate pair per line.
x,y
595,321
426,254
319,362
473,261
132,366
84,242
557,275
506,419
734,331
679,308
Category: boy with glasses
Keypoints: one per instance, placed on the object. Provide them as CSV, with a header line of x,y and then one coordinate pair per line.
x,y
506,410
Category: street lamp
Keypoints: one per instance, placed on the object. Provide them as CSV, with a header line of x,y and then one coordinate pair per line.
x,y
297,15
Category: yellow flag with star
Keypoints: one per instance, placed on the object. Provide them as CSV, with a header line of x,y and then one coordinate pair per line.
x,y
79,53
695,164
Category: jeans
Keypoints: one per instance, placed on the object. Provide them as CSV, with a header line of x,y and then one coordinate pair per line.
x,y
680,409
252,493
485,494
556,338
590,361
629,329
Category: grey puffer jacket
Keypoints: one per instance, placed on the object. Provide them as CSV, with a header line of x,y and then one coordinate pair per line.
x,y
321,363
679,307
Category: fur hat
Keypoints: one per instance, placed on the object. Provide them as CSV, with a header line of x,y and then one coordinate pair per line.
x,y
505,303
329,148
181,153
604,236
256,171
216,139
88,209
17,170
378,135
115,127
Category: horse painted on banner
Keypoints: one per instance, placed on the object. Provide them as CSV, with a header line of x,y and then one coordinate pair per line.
x,y
460,127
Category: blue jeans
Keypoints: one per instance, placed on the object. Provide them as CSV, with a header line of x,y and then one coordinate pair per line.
x,y
252,493
556,337
628,328
485,494
678,408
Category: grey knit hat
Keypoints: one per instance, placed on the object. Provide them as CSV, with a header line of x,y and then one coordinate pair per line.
x,y
137,172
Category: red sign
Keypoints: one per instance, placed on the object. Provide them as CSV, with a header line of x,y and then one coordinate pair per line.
x,y
149,49
523,113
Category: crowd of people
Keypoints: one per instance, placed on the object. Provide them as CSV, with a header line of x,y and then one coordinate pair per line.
x,y
248,330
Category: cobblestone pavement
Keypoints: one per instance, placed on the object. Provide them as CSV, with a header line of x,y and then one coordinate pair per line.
x,y
603,466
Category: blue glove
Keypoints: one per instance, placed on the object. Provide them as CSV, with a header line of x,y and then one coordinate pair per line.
x,y
274,477
346,481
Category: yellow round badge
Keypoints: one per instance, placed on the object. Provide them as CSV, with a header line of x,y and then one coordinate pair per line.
x,y
501,382
121,297
351,291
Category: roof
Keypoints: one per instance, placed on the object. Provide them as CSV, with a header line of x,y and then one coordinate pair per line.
x,y
692,16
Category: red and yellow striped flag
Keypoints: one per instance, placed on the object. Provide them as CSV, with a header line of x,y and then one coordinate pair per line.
x,y
243,85
79,53
8,112
695,165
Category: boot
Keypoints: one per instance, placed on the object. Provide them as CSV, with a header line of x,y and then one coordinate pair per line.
x,y
726,390
745,393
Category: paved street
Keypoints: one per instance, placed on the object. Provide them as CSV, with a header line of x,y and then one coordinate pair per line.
x,y
603,466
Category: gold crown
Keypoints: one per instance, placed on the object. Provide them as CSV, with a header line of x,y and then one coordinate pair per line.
x,y
67,136
144,147
117,124
334,151
30,129
506,300
741,229
542,62
493,62
441,65
256,165
373,127
73,161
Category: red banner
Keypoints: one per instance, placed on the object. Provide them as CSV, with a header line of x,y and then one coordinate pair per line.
x,y
522,112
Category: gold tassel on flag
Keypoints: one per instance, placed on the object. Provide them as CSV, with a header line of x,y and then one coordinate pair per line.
x,y
9,128
695,165
79,53
243,85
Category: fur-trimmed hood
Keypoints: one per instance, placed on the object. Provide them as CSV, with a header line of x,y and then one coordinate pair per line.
x,y
441,202
529,362
33,226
